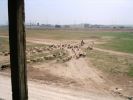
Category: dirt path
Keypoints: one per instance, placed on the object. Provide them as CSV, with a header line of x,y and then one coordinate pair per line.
x,y
114,52
39,91
83,71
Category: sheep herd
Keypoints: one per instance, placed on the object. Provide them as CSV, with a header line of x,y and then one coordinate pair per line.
x,y
61,52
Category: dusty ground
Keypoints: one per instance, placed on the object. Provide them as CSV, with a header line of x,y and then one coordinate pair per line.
x,y
38,91
76,74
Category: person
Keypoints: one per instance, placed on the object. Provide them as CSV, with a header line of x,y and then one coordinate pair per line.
x,y
82,43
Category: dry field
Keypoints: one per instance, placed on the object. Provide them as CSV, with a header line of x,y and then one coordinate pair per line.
x,y
94,61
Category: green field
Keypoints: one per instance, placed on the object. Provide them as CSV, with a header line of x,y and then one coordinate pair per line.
x,y
113,64
120,42
61,34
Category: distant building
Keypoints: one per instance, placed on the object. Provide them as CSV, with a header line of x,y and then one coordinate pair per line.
x,y
87,25
38,24
57,26
48,26
66,26
77,26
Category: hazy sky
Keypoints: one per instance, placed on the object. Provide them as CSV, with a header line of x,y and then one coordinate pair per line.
x,y
75,11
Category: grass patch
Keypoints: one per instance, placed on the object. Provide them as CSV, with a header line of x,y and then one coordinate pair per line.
x,y
74,34
4,44
122,45
122,42
112,64
63,34
130,73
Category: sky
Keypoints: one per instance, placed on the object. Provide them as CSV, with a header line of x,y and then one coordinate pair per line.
x,y
107,12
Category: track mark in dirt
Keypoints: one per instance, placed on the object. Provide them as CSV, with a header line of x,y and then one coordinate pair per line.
x,y
81,70
114,52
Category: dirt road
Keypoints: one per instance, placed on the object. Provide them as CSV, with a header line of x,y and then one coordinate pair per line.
x,y
39,91
114,52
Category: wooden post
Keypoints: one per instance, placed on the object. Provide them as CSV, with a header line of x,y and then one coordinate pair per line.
x,y
17,41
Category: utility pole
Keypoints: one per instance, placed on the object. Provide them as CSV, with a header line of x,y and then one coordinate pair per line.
x,y
17,41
